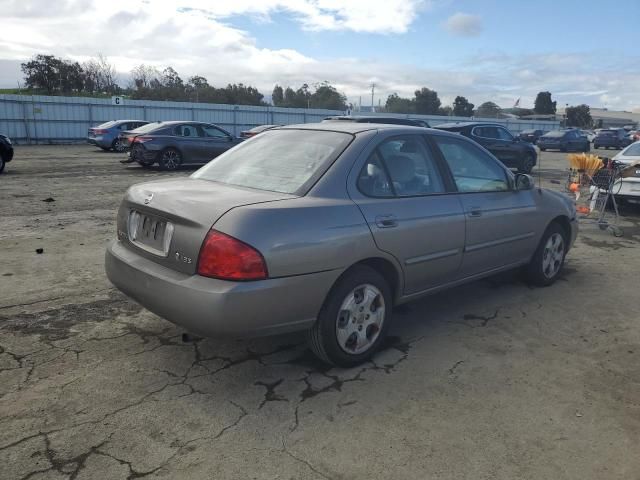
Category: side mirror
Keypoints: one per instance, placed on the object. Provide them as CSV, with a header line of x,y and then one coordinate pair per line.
x,y
524,182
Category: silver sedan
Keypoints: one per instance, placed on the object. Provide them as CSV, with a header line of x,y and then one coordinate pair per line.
x,y
324,228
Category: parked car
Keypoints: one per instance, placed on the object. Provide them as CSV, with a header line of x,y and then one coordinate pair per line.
x,y
171,144
413,122
590,134
510,150
565,140
611,138
531,136
628,188
6,151
256,130
107,135
324,228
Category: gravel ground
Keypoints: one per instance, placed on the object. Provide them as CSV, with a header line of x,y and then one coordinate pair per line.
x,y
489,380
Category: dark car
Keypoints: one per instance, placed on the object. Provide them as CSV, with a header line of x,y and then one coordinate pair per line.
x,y
171,144
510,150
612,138
531,136
566,140
256,130
107,135
6,151
412,122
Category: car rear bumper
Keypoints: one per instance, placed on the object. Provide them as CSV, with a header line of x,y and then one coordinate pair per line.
x,y
141,154
99,142
219,308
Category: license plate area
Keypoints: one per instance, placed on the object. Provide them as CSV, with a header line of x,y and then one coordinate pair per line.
x,y
149,232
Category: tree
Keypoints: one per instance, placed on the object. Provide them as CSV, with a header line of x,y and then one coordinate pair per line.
x,y
100,76
327,96
579,116
462,107
544,105
143,76
427,101
445,111
53,75
277,96
488,110
397,104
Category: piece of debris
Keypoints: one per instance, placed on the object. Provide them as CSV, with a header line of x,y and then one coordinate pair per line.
x,y
578,414
49,199
39,250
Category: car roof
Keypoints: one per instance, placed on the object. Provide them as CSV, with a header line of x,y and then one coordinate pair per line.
x,y
453,125
368,118
357,127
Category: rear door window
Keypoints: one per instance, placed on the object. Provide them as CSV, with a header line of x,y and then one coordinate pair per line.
x,y
403,167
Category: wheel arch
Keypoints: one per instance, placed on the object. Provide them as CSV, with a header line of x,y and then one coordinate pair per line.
x,y
385,268
565,223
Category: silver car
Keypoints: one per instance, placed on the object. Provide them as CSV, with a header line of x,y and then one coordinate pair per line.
x,y
325,227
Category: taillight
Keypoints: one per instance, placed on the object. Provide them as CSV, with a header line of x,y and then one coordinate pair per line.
x,y
227,258
143,139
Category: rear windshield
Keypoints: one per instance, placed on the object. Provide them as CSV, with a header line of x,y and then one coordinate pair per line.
x,y
632,151
108,124
555,133
528,131
147,128
285,161
607,133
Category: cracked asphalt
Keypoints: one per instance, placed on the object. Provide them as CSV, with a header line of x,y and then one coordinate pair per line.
x,y
492,380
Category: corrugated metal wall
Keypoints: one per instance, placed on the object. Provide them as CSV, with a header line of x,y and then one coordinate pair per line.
x,y
43,119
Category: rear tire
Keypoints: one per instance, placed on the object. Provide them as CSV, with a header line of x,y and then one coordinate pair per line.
x,y
548,259
543,149
354,318
2,163
170,159
118,146
527,164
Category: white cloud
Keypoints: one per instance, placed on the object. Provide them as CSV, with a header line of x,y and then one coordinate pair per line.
x,y
464,24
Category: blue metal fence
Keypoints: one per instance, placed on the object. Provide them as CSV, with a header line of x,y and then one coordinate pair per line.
x,y
51,119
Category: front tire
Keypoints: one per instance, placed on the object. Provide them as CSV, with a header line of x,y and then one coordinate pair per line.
x,y
2,163
354,318
548,259
170,159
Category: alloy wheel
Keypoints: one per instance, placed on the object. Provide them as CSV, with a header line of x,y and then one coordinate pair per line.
x,y
171,159
553,255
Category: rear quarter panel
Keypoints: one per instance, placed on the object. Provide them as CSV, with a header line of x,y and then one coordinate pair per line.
x,y
303,235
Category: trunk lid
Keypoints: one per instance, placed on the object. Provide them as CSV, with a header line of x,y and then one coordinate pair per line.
x,y
166,221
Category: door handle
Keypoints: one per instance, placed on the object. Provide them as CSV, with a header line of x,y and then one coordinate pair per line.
x,y
474,212
386,221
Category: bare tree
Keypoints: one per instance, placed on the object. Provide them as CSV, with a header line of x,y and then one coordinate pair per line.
x,y
100,75
144,76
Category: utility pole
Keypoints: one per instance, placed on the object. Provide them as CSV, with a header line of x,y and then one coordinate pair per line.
x,y
373,89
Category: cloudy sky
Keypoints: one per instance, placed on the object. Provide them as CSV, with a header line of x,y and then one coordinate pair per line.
x,y
499,50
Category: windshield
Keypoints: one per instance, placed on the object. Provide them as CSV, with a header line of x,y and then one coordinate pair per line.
x,y
632,151
285,161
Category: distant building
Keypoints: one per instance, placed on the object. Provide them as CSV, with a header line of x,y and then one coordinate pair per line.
x,y
602,118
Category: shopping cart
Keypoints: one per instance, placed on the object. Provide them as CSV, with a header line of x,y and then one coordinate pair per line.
x,y
595,195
